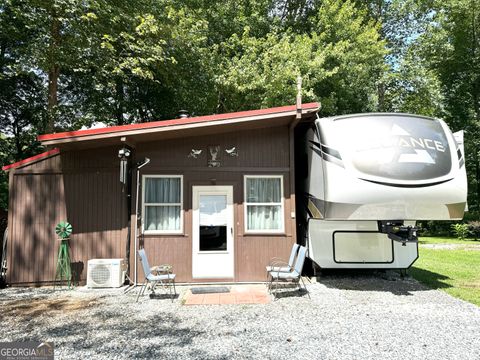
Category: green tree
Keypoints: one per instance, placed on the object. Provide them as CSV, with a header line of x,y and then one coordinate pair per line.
x,y
338,60
451,48
407,84
65,64
21,107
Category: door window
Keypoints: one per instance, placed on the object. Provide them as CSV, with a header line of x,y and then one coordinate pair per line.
x,y
213,223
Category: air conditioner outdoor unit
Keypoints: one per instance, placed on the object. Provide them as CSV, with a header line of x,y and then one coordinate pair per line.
x,y
106,273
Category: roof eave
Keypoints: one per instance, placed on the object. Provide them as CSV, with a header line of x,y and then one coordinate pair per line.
x,y
312,108
31,160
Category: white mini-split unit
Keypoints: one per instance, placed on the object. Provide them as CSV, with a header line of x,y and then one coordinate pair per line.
x,y
106,273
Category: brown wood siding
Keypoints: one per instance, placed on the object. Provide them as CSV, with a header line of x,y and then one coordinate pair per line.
x,y
82,186
253,254
96,209
263,151
262,148
87,194
33,242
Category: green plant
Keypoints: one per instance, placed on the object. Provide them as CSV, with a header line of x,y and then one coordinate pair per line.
x,y
474,227
461,231
436,228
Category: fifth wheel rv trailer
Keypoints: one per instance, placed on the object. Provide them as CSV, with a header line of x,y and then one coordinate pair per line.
x,y
365,179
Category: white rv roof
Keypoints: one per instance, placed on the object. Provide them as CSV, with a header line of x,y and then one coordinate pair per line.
x,y
347,116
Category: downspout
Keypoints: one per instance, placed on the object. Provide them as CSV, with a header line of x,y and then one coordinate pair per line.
x,y
135,240
129,216
139,166
125,156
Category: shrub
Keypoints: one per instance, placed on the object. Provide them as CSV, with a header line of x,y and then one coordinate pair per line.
x,y
447,228
461,231
474,227
471,216
435,228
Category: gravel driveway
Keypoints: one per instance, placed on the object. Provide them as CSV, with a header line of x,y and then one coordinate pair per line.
x,y
347,317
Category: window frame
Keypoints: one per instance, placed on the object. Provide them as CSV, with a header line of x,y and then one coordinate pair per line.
x,y
144,205
281,230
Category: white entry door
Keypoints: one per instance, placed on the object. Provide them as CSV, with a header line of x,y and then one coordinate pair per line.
x,y
212,232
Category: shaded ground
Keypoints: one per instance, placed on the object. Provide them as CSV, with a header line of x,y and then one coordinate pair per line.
x,y
348,317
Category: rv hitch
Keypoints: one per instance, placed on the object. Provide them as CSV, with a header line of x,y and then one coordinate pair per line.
x,y
397,231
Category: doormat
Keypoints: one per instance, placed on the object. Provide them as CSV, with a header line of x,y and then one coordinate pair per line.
x,y
210,290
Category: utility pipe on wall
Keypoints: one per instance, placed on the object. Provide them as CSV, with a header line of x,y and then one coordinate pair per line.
x,y
139,166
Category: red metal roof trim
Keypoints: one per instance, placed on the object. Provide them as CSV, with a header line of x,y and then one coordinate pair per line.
x,y
31,159
164,123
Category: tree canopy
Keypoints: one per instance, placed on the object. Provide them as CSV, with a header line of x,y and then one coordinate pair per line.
x,y
65,64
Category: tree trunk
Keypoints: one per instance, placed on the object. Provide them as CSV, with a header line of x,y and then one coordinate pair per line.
x,y
143,114
477,178
16,134
475,65
381,96
377,14
120,101
2,56
476,99
53,74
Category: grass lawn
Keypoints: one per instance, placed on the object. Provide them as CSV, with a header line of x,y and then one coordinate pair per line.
x,y
444,240
455,271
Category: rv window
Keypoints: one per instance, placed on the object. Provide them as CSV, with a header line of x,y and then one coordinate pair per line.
x,y
162,204
263,204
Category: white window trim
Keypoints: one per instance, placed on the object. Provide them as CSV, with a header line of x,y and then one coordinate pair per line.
x,y
281,203
162,232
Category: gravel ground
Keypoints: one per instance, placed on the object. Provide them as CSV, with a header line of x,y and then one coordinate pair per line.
x,y
347,317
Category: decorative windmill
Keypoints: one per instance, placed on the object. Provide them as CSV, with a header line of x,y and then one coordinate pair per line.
x,y
64,270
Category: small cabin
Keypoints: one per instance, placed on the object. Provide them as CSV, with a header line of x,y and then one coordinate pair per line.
x,y
211,195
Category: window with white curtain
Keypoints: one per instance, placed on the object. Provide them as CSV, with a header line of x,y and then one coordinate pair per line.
x,y
264,204
162,204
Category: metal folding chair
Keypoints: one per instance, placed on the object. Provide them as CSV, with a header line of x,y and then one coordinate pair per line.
x,y
166,280
277,264
294,275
